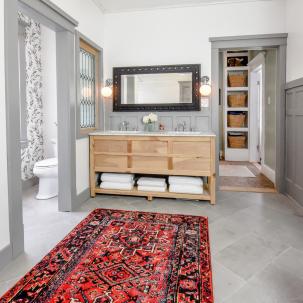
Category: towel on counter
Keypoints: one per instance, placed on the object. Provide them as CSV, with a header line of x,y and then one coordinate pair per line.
x,y
185,180
160,189
186,189
117,185
117,178
150,181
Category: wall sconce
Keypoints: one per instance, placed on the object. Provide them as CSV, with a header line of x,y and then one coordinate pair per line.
x,y
107,90
205,88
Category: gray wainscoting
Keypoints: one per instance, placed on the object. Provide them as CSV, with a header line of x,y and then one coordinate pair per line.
x,y
199,120
294,140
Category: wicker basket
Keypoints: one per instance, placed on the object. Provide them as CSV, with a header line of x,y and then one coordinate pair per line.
x,y
236,120
237,80
238,141
238,100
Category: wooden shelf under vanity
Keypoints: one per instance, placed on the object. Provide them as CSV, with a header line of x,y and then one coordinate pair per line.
x,y
154,155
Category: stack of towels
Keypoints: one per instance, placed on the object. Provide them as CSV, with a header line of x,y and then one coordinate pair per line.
x,y
117,181
185,185
152,184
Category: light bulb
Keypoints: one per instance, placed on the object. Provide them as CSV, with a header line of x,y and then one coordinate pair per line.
x,y
205,90
106,91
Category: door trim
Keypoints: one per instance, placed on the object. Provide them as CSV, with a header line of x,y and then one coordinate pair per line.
x,y
64,25
278,41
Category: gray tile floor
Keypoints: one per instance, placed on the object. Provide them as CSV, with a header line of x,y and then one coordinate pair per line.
x,y
256,241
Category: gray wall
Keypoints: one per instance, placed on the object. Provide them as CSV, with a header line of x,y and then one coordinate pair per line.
x,y
199,120
294,142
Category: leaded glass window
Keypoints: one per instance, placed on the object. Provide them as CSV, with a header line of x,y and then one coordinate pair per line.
x,y
88,86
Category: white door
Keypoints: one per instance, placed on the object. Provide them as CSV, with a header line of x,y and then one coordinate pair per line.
x,y
256,109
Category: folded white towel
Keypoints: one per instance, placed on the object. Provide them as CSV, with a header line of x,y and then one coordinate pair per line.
x,y
185,180
160,189
186,189
149,181
117,185
120,178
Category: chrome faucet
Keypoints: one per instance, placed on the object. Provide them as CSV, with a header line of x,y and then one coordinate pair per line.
x,y
181,126
124,126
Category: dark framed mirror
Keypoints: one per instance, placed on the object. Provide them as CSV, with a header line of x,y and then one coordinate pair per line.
x,y
157,88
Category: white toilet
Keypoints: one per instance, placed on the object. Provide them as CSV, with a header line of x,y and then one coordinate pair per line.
x,y
47,172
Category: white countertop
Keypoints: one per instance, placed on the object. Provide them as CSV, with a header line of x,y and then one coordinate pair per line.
x,y
158,133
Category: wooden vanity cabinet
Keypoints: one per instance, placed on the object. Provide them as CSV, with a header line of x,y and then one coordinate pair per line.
x,y
154,155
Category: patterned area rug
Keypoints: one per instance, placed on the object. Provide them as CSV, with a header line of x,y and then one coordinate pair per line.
x,y
124,257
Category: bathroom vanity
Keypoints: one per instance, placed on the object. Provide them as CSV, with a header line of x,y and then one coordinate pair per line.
x,y
156,153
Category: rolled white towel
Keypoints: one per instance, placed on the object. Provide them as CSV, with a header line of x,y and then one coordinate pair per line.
x,y
117,185
185,180
186,189
160,189
149,181
117,178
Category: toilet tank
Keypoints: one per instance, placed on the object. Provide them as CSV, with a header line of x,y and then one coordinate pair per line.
x,y
55,148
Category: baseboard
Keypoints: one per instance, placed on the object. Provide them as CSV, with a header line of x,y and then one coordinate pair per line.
x,y
26,184
296,205
83,196
5,255
269,173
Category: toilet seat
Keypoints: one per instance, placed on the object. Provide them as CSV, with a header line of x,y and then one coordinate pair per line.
x,y
51,162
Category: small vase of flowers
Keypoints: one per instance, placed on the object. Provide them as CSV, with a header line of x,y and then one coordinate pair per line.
x,y
149,122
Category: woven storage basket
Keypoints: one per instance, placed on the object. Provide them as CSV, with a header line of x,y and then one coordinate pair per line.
x,y
238,100
237,80
236,120
238,141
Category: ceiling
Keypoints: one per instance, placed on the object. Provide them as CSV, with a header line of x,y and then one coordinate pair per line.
x,y
114,6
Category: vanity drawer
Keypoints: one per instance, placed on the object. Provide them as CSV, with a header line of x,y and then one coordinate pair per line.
x,y
201,148
110,146
149,163
150,147
108,161
190,164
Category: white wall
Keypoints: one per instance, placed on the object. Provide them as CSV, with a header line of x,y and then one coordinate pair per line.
x,y
4,218
49,89
91,24
294,23
172,36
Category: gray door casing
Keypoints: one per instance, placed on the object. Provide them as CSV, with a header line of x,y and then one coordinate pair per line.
x,y
47,13
277,41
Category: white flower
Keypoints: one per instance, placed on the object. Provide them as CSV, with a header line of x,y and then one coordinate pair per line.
x,y
153,117
145,119
150,118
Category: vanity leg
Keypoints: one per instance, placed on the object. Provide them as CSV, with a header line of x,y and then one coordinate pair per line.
x,y
149,198
92,193
212,189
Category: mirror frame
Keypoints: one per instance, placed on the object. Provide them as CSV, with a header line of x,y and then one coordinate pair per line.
x,y
118,72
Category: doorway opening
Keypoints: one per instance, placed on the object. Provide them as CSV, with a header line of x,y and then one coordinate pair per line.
x,y
38,121
247,122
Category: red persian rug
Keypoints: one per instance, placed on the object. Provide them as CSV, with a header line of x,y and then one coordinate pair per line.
x,y
124,257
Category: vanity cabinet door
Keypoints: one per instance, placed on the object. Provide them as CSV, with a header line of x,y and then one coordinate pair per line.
x,y
149,164
149,147
198,148
191,164
108,162
110,146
